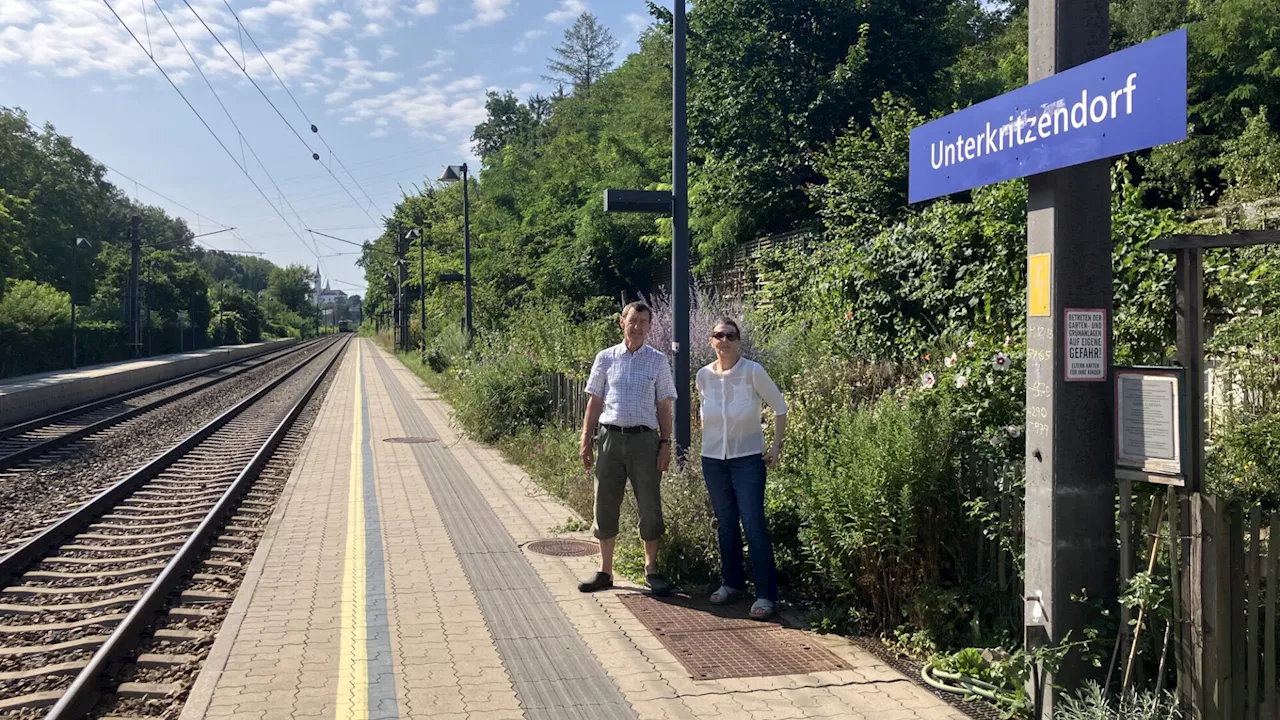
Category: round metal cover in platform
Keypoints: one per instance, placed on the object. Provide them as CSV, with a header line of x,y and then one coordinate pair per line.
x,y
411,440
564,548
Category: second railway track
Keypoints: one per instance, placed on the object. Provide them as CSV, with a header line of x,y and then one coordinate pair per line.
x,y
78,596
24,441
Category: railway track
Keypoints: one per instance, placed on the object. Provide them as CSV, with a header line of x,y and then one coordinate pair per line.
x,y
28,440
80,595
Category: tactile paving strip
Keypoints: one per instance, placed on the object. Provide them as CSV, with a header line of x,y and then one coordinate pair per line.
x,y
554,674
713,643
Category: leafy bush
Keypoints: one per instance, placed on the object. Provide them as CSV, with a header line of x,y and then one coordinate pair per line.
x,y
1091,704
503,396
437,360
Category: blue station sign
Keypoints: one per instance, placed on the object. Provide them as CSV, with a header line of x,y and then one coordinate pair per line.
x,y
1126,101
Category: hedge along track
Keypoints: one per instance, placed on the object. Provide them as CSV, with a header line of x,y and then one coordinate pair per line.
x,y
33,438
85,600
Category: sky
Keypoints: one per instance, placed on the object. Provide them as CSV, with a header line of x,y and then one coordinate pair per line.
x,y
394,87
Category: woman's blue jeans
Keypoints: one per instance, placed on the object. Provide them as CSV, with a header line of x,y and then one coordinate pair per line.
x,y
736,487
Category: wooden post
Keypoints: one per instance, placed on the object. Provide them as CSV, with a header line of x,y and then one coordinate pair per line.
x,y
1254,562
1270,709
1126,572
1235,637
1176,556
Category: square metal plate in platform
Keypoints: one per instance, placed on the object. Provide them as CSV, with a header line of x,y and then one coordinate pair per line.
x,y
722,642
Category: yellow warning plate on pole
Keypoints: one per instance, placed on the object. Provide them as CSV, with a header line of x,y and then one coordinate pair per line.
x,y
1038,285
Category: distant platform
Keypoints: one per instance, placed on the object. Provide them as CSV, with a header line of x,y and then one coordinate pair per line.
x,y
31,396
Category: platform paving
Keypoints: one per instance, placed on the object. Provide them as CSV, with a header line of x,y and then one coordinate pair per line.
x,y
392,582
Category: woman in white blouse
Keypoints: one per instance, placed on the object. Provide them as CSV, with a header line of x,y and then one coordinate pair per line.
x,y
733,463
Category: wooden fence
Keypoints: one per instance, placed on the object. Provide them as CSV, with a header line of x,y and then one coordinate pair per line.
x,y
735,276
568,399
1223,634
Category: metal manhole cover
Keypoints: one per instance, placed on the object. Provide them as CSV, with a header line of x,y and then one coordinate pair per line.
x,y
722,642
564,548
411,440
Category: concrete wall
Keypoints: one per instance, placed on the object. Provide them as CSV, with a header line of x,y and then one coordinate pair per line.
x,y
32,396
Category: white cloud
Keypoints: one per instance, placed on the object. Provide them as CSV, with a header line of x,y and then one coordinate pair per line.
x,y
81,37
422,106
426,7
357,74
523,45
386,52
639,23
487,12
372,30
441,57
17,12
569,9
378,9
380,122
380,132
474,82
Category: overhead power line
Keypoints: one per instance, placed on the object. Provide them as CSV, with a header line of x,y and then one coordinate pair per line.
x,y
200,117
243,69
171,201
239,133
314,128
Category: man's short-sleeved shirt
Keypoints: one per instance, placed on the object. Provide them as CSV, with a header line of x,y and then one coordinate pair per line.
x,y
631,385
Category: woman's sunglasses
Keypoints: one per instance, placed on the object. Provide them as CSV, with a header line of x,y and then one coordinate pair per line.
x,y
725,336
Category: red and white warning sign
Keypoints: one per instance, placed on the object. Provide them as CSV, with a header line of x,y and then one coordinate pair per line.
x,y
1087,340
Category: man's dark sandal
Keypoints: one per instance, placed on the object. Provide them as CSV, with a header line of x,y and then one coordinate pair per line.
x,y
658,584
599,581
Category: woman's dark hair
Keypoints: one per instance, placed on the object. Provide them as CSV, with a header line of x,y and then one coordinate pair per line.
x,y
731,322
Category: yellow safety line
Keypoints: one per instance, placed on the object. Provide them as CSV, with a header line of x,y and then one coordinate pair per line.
x,y
353,665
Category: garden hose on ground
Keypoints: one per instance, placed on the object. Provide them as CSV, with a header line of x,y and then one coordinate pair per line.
x,y
963,685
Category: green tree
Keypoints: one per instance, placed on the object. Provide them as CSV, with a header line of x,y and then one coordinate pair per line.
x,y
585,54
508,121
776,81
293,287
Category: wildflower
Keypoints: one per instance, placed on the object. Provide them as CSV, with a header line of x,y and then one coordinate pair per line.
x,y
1007,340
962,381
1014,431
928,381
971,344
1000,361
848,315
996,441
951,360
991,382
927,357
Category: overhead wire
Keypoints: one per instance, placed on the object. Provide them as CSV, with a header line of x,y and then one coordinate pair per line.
x,y
245,71
203,122
314,128
170,200
239,133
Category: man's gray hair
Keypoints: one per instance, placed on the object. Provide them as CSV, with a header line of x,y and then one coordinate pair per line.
x,y
635,307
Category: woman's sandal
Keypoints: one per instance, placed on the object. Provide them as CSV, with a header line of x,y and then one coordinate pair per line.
x,y
762,609
725,595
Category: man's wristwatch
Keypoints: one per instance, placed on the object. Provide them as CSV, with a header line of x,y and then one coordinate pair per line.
x,y
664,441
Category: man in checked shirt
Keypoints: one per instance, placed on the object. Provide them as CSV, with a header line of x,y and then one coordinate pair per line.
x,y
628,424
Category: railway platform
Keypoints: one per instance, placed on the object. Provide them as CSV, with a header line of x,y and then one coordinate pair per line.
x,y
31,396
402,576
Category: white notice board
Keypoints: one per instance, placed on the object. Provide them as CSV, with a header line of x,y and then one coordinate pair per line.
x,y
1149,424
1087,341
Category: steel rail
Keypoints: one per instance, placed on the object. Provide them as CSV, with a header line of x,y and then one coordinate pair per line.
x,y
84,691
14,563
56,417
53,443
